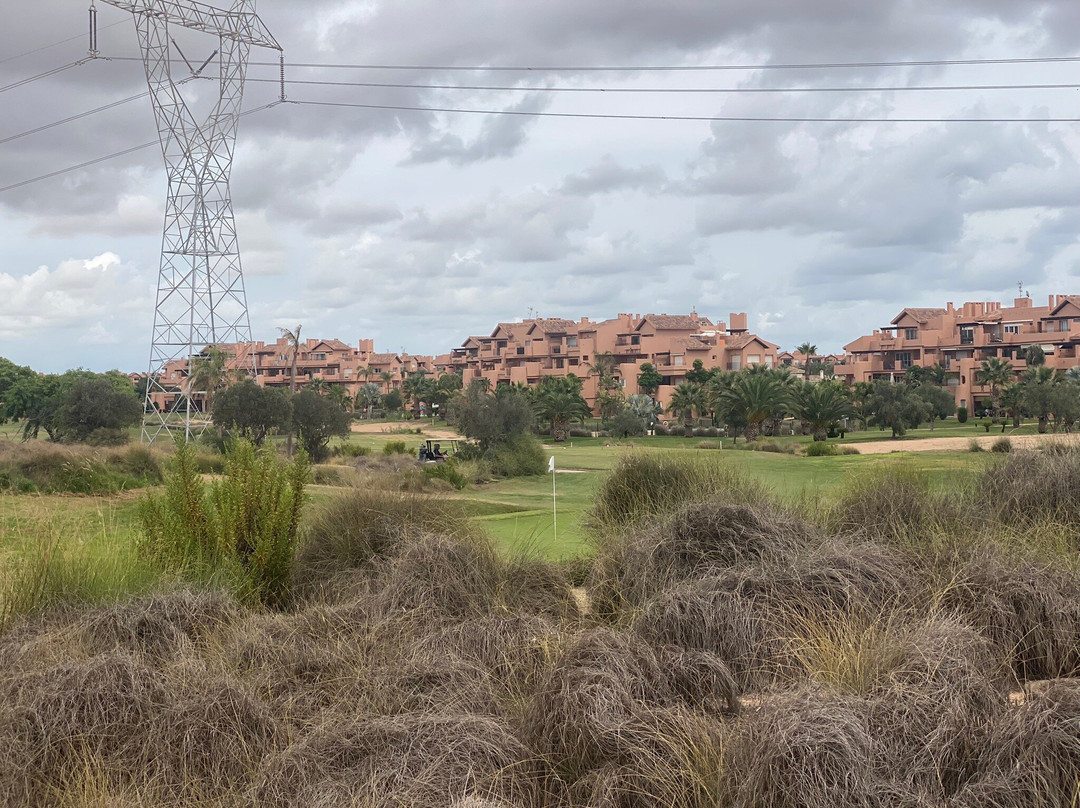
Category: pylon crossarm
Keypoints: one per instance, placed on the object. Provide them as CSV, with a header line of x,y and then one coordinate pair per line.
x,y
238,25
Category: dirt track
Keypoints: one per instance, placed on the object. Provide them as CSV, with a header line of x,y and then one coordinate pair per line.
x,y
957,444
388,429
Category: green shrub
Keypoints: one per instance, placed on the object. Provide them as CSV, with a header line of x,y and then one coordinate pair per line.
x,y
1001,446
962,414
449,472
773,446
975,446
627,424
395,447
351,450
520,456
244,526
821,449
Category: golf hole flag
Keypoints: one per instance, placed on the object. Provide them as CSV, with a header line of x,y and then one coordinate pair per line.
x,y
551,464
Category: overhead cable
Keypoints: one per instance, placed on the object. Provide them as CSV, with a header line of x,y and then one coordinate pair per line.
x,y
46,74
662,90
665,68
97,160
706,118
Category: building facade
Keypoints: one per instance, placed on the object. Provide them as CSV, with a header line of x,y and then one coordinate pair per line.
x,y
526,352
960,338
332,362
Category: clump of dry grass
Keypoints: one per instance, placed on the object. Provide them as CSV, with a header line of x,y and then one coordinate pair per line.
x,y
894,505
34,466
160,625
804,747
457,579
416,759
362,526
1029,609
53,719
931,709
606,695
1030,486
1032,755
691,542
645,485
710,614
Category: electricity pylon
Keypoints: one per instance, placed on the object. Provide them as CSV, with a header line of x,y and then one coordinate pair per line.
x,y
201,299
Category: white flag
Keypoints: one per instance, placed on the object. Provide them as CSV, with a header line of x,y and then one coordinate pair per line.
x,y
551,464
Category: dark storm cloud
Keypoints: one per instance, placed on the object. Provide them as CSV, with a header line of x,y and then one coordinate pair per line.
x,y
370,218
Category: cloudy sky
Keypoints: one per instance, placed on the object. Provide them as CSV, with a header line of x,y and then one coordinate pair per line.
x,y
419,228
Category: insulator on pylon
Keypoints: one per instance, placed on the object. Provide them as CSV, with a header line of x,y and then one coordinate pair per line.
x,y
282,57
93,29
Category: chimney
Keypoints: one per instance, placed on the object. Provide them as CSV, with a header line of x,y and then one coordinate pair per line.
x,y
1051,300
738,321
949,307
1022,302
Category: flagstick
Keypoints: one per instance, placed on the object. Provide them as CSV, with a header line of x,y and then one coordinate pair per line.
x,y
554,507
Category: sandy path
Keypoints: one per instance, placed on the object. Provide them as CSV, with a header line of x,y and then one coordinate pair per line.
x,y
958,444
387,429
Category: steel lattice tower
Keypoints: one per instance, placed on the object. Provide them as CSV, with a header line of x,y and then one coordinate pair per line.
x,y
201,300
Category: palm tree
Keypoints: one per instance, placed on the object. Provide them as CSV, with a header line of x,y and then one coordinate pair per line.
x,y
994,373
604,368
293,339
386,377
1012,401
807,349
560,406
688,398
208,374
751,398
822,407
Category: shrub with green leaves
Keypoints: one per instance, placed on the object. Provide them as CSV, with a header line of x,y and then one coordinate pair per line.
x,y
821,450
243,527
395,447
449,472
521,456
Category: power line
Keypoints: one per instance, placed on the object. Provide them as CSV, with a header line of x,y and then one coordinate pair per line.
x,y
706,118
54,44
113,156
667,68
676,90
46,74
80,115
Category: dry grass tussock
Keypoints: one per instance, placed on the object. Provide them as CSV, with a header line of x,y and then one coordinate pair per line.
x,y
737,656
39,466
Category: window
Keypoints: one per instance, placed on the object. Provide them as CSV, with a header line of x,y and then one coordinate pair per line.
x,y
911,333
1012,329
320,357
1064,325
677,360
520,351
967,335
753,359
903,358
571,342
736,362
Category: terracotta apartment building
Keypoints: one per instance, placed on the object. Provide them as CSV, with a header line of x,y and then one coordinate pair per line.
x,y
525,352
960,338
332,361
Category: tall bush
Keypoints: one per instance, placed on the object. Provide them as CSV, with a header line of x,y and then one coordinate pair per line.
x,y
244,526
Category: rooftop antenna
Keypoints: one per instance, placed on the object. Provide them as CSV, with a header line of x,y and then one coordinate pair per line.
x,y
201,300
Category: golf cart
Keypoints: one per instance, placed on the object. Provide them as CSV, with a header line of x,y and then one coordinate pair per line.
x,y
437,450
